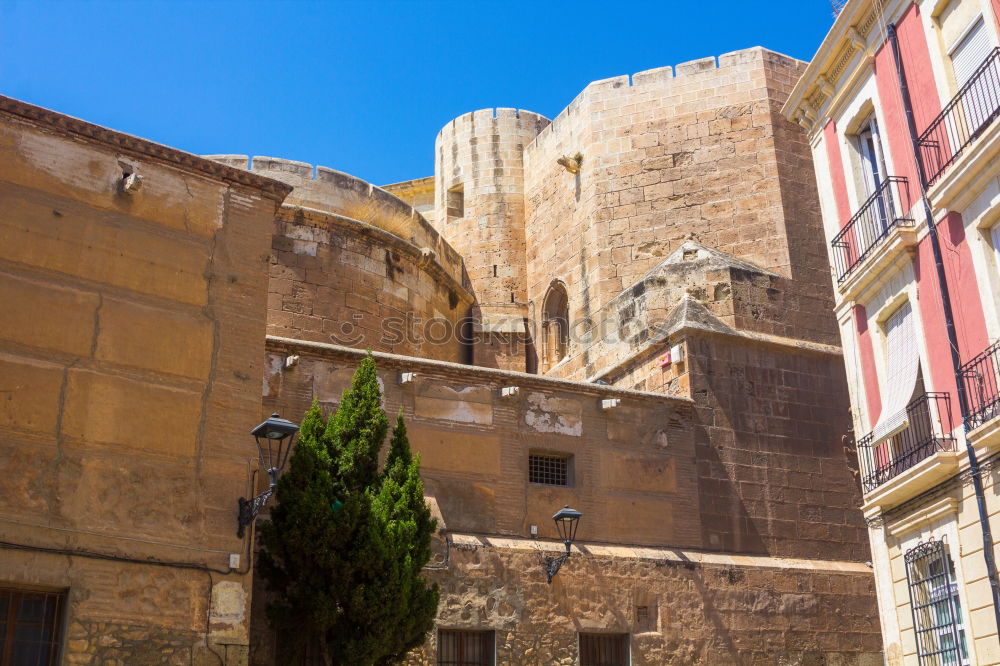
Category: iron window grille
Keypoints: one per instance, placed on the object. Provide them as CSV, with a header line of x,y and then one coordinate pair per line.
x,y
30,627
934,602
963,120
466,648
876,217
550,470
604,650
981,377
928,431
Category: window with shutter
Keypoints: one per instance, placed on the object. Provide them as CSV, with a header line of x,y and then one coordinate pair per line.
x,y
902,368
967,55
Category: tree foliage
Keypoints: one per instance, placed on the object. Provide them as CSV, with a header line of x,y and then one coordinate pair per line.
x,y
346,542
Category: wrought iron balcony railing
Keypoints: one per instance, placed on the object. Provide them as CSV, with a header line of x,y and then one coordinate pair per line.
x,y
923,436
871,225
964,118
981,378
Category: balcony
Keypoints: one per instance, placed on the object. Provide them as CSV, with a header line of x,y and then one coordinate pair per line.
x,y
923,436
874,222
963,120
981,378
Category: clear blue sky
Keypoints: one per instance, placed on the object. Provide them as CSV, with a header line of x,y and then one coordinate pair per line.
x,y
359,86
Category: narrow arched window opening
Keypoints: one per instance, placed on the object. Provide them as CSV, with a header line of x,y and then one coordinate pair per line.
x,y
555,325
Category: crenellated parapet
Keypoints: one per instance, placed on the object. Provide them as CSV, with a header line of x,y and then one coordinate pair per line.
x,y
339,193
353,264
692,82
479,208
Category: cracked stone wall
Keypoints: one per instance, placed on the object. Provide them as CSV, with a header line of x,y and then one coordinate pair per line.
x,y
699,609
131,355
745,486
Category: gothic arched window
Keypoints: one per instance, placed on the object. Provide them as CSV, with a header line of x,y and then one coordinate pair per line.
x,y
555,325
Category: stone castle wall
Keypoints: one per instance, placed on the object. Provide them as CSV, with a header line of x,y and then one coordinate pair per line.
x,y
635,459
680,608
690,225
332,191
131,353
747,475
696,153
352,264
479,194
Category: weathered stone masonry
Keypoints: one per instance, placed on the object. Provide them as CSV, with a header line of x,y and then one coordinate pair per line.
x,y
715,491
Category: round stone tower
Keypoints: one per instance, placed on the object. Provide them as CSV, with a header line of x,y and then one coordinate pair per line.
x,y
479,209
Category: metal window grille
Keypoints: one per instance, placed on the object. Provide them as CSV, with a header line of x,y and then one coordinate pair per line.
x,y
604,650
465,648
30,627
871,225
981,377
928,431
550,470
969,113
644,618
937,613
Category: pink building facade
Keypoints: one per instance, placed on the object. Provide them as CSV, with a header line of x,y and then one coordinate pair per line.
x,y
902,107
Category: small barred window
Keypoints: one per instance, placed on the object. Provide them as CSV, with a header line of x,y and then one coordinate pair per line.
x,y
604,649
465,648
551,470
934,602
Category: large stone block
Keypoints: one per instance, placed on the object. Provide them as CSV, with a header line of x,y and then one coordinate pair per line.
x,y
633,470
446,451
29,394
39,314
171,341
72,239
110,409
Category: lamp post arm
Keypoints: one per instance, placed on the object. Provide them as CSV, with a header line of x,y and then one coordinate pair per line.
x,y
553,564
249,509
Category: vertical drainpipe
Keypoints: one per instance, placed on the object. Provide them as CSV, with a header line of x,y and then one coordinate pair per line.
x,y
956,363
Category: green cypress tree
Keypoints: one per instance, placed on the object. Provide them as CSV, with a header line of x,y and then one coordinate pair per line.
x,y
346,543
401,508
294,558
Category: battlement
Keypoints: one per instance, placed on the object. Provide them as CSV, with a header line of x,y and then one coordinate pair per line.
x,y
333,191
507,118
684,77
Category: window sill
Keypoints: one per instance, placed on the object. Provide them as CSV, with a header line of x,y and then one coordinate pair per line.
x,y
985,439
922,476
901,238
961,182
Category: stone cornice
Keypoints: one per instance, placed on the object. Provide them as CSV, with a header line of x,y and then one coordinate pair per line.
x,y
846,49
660,554
508,377
58,122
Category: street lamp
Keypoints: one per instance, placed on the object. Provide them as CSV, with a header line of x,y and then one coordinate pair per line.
x,y
275,438
567,520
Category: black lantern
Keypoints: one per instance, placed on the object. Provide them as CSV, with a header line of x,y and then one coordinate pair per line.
x,y
566,520
275,438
